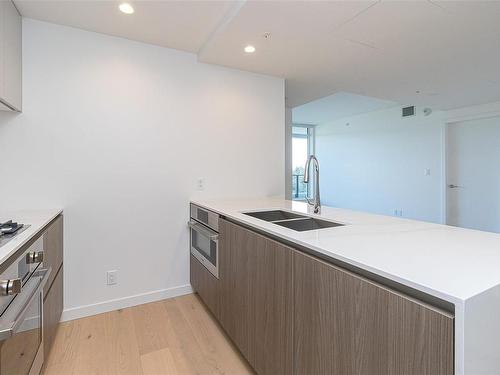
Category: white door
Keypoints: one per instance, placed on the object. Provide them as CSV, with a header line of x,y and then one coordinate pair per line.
x,y
473,174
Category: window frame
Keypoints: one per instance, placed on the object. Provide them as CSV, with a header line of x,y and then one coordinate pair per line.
x,y
311,147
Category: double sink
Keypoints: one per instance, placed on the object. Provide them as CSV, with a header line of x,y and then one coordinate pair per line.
x,y
291,220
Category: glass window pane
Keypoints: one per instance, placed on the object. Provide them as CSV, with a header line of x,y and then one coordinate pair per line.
x,y
299,158
298,130
302,147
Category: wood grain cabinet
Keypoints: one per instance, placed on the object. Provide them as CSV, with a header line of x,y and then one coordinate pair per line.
x,y
52,310
345,324
53,246
206,285
53,290
10,57
255,276
291,313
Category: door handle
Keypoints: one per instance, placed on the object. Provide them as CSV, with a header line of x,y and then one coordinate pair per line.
x,y
451,186
213,236
10,287
8,330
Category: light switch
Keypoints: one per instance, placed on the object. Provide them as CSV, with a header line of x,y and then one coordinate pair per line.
x,y
112,277
201,184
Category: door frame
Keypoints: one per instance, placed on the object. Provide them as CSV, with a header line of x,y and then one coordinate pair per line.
x,y
444,169
455,116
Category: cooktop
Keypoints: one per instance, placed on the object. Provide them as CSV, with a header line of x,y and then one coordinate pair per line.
x,y
10,229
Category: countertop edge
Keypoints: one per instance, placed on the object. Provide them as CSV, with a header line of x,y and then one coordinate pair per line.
x,y
44,217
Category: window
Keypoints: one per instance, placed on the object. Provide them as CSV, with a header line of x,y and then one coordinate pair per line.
x,y
302,147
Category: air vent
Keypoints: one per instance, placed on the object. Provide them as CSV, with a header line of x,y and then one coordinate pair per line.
x,y
408,111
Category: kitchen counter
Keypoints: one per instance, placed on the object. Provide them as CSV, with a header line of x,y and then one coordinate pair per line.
x,y
457,265
36,219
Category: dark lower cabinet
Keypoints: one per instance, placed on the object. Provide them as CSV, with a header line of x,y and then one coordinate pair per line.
x,y
206,285
256,310
53,291
291,313
53,249
52,310
345,324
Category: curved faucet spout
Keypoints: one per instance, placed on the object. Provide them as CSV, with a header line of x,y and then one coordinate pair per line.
x,y
315,202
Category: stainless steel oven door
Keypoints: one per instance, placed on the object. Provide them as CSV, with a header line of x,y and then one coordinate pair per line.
x,y
21,329
204,244
20,271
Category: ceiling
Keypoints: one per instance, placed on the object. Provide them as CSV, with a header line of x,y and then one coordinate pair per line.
x,y
441,54
183,25
337,106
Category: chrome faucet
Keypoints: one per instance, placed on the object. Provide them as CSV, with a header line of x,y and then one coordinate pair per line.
x,y
316,203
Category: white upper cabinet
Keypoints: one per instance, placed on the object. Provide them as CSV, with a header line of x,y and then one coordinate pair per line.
x,y
10,57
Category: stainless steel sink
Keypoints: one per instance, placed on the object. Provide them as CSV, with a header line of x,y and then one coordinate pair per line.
x,y
310,223
292,220
274,215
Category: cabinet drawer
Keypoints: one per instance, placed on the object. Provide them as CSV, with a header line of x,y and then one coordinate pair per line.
x,y
205,284
256,306
53,249
345,324
52,310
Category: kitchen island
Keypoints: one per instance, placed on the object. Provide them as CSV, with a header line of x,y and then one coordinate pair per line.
x,y
451,269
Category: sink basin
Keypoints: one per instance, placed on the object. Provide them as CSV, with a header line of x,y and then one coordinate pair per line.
x,y
292,220
274,215
309,223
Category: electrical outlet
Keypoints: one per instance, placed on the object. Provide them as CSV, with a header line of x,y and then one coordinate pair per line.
x,y
112,277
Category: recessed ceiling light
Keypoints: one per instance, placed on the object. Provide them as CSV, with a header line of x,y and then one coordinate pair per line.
x,y
249,49
126,8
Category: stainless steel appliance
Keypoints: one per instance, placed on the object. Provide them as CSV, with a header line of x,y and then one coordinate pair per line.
x,y
9,230
204,238
21,312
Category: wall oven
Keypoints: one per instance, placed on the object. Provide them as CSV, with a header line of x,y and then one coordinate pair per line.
x,y
21,310
204,237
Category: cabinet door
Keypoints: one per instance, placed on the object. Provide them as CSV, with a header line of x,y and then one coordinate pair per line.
x,y
346,325
52,310
53,249
206,285
11,54
256,297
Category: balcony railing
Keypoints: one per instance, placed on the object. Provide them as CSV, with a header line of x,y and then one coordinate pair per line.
x,y
299,188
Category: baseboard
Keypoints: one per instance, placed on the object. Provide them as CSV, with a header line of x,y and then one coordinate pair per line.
x,y
120,303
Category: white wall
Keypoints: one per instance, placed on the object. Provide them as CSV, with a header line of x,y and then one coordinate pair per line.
x,y
377,163
117,133
473,163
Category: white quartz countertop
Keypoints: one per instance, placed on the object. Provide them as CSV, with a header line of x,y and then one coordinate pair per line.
x,y
450,263
36,219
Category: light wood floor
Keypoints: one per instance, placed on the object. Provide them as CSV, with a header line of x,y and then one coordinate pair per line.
x,y
174,336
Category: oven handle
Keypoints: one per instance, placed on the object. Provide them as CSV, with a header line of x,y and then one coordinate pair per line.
x,y
10,331
197,227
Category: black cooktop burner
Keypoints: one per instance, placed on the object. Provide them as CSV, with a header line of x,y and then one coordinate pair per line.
x,y
10,230
9,227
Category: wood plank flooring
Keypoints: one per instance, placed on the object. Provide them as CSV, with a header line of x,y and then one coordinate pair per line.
x,y
174,336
